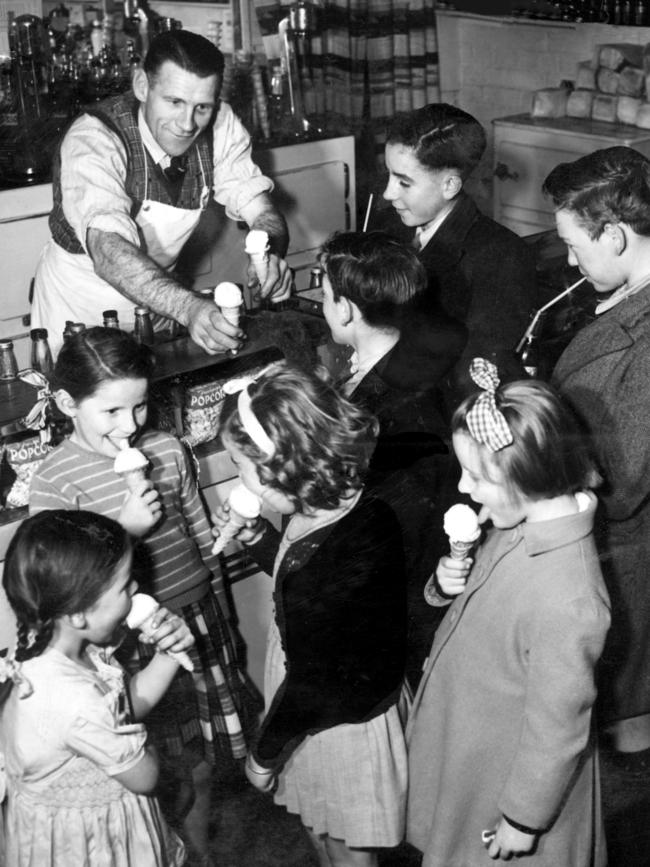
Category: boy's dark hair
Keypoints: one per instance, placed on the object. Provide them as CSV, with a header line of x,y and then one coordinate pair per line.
x,y
611,185
442,137
375,271
188,50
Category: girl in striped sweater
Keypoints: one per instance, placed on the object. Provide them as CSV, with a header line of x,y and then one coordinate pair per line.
x,y
100,383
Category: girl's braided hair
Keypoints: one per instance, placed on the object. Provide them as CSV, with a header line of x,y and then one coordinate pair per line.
x,y
59,562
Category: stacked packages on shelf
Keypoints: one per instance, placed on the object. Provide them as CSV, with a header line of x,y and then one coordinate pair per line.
x,y
614,86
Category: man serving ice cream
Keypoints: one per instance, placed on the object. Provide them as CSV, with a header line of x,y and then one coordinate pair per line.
x,y
130,183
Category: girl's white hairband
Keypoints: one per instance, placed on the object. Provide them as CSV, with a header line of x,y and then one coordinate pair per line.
x,y
247,417
251,424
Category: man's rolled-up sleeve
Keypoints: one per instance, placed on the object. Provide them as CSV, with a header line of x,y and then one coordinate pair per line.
x,y
237,179
93,173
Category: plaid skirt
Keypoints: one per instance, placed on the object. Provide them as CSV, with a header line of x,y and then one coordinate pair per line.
x,y
210,713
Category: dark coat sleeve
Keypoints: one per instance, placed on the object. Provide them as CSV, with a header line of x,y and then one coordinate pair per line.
x,y
342,619
264,551
483,275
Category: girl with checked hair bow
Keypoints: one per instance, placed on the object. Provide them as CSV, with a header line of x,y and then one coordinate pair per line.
x,y
501,759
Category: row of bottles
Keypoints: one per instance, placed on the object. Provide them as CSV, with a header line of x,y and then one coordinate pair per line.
x,y
623,12
142,327
41,356
56,67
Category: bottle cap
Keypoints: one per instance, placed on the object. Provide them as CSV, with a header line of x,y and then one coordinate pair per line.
x,y
141,311
77,327
38,333
110,314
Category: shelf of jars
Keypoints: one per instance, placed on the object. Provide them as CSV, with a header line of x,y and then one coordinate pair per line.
x,y
57,69
629,13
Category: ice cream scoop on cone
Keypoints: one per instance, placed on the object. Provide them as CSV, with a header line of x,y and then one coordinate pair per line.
x,y
228,298
143,608
131,464
462,526
244,506
257,247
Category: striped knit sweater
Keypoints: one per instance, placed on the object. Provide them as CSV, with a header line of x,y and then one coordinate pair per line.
x,y
179,547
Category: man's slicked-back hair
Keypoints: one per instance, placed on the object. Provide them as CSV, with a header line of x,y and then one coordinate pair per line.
x,y
611,185
189,51
442,137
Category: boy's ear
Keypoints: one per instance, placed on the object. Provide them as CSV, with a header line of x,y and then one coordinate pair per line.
x,y
140,84
65,403
616,234
452,185
346,310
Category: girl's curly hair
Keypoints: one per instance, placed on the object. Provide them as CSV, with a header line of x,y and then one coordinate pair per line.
x,y
323,443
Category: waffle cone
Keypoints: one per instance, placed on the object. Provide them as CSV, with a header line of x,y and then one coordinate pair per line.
x,y
133,478
261,263
460,550
228,533
146,627
231,314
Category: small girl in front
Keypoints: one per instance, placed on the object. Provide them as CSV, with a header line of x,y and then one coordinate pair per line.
x,y
100,383
332,734
501,757
78,765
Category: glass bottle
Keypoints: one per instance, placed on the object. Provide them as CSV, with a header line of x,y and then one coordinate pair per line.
x,y
316,278
276,100
530,356
8,363
110,319
143,330
67,331
41,359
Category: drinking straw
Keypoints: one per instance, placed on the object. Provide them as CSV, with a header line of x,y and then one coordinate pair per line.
x,y
365,222
541,310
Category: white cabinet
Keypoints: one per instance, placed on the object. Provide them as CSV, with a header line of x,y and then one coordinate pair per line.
x,y
23,234
525,151
314,189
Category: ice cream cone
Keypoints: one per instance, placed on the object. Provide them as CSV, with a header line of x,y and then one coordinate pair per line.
x,y
234,525
143,608
261,265
459,550
228,298
131,465
244,506
257,247
231,314
463,529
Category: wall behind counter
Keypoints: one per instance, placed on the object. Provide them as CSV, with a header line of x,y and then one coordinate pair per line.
x,y
490,66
